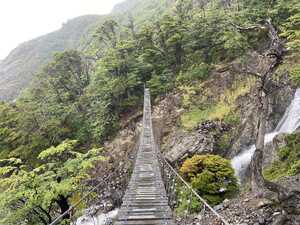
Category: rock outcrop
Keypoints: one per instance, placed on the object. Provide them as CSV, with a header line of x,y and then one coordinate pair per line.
x,y
246,209
279,100
247,129
204,140
178,143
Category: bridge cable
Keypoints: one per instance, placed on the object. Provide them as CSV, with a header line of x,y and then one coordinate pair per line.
x,y
60,217
192,190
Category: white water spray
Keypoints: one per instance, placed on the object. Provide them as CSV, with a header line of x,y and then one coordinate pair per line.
x,y
101,219
288,124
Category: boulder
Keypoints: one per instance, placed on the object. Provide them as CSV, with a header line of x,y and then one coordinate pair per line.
x,y
184,144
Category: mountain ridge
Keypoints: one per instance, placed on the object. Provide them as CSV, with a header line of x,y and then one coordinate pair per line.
x,y
18,68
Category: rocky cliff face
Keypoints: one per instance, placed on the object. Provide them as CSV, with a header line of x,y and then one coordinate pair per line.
x,y
202,141
246,209
178,143
246,134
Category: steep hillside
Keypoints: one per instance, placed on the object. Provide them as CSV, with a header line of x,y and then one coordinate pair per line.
x,y
142,10
17,70
221,76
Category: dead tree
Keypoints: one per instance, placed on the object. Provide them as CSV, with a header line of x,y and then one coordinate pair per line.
x,y
268,63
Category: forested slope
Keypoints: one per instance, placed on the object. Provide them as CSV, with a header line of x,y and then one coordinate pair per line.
x,y
21,65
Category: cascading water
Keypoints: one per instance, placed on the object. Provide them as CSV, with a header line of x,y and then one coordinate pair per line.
x,y
101,219
288,124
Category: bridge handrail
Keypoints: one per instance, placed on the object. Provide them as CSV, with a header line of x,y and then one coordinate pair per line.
x,y
165,161
74,206
161,156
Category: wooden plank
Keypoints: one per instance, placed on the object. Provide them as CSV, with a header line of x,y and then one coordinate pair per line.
x,y
145,201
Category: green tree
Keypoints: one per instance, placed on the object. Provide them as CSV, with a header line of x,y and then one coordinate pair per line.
x,y
37,196
9,132
292,24
107,33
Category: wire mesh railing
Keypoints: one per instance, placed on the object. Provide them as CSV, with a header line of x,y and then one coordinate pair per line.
x,y
72,213
179,192
183,198
176,186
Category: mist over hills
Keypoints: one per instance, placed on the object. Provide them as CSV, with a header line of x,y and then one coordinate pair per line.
x,y
19,67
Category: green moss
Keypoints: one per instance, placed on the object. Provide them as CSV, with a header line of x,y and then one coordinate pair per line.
x,y
289,159
295,74
211,176
225,141
275,172
187,201
295,168
192,118
283,153
233,118
224,109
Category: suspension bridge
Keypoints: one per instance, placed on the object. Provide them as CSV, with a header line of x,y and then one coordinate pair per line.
x,y
146,201
151,194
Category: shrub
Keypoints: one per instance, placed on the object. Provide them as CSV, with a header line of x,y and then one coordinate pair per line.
x,y
295,169
295,75
187,201
194,73
288,163
188,95
211,176
232,118
283,153
225,141
276,171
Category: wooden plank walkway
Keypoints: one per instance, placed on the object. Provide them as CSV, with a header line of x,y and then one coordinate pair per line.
x,y
145,201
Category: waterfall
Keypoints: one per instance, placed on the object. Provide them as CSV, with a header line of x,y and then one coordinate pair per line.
x,y
288,124
100,219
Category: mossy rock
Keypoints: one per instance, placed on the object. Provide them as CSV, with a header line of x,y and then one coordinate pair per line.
x,y
288,163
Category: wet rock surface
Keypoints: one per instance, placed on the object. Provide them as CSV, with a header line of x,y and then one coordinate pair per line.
x,y
279,100
243,210
202,141
247,209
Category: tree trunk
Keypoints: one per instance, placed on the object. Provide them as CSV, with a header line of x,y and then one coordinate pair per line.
x,y
64,206
289,201
257,180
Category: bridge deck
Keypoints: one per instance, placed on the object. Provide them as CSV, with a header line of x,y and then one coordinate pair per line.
x,y
145,201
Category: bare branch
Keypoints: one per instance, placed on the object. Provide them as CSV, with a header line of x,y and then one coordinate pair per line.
x,y
247,29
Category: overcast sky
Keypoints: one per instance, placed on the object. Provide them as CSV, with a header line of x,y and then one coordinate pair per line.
x,y
23,20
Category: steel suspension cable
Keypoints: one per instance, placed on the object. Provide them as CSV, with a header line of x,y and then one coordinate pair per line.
x,y
189,186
